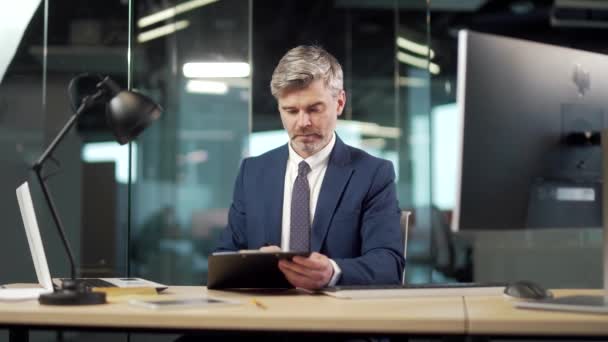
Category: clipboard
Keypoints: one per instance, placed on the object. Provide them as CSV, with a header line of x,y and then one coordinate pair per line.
x,y
248,270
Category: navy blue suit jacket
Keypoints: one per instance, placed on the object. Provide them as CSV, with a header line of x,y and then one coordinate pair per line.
x,y
356,221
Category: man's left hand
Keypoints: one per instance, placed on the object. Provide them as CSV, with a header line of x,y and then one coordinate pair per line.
x,y
309,273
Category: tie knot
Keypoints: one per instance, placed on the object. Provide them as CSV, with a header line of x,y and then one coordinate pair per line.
x,y
303,168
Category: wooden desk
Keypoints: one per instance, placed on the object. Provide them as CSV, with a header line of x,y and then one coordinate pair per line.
x,y
303,313
494,316
291,312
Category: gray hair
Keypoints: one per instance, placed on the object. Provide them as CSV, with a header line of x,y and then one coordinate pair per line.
x,y
303,65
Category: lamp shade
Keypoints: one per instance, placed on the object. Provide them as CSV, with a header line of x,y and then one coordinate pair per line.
x,y
128,113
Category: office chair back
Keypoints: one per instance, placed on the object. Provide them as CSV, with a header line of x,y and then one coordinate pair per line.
x,y
405,220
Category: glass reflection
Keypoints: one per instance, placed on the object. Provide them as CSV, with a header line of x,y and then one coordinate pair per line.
x,y
199,71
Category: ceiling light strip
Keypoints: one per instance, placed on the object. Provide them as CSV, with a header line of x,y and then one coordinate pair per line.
x,y
415,47
172,12
418,62
216,69
162,31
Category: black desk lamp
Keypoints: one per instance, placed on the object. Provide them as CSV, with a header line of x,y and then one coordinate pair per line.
x,y
128,113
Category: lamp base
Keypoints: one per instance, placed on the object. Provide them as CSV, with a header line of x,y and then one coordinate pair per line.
x,y
68,297
72,294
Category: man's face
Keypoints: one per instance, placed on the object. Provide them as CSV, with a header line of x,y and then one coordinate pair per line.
x,y
309,116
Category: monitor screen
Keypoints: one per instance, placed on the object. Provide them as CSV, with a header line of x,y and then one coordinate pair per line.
x,y
530,116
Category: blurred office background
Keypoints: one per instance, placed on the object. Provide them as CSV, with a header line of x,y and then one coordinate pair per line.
x,y
153,208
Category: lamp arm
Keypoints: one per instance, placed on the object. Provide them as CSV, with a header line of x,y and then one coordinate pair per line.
x,y
57,221
37,167
86,103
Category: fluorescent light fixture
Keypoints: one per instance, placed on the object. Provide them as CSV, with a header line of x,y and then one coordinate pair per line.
x,y
172,12
414,82
112,152
206,87
194,157
375,143
214,70
206,134
415,47
370,129
419,62
162,31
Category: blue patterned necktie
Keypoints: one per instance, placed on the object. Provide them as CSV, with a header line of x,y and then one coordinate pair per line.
x,y
299,236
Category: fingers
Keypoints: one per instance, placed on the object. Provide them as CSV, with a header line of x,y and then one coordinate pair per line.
x,y
270,249
294,268
305,281
313,272
315,261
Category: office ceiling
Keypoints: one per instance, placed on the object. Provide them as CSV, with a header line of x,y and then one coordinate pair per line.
x,y
361,32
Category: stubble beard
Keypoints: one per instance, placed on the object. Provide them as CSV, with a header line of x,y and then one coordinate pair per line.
x,y
311,147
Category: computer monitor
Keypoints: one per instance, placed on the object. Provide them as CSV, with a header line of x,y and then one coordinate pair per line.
x,y
530,117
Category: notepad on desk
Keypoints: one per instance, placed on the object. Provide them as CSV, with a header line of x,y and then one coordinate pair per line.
x,y
120,294
415,290
182,303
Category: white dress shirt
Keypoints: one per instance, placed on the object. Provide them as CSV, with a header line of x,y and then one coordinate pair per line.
x,y
318,165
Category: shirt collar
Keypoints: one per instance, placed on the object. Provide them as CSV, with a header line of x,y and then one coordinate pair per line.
x,y
316,159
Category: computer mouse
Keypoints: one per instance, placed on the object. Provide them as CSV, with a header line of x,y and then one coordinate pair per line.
x,y
527,290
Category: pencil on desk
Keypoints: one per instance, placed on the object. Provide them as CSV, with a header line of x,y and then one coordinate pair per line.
x,y
259,304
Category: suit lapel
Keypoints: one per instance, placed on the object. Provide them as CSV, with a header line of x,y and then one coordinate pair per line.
x,y
336,177
273,190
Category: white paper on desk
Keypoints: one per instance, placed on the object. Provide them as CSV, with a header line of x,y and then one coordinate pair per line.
x,y
592,304
182,302
13,294
416,292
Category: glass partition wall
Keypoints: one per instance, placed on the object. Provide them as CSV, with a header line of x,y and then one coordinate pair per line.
x,y
45,44
153,208
209,63
196,62
399,59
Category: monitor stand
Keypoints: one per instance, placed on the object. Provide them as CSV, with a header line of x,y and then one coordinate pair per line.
x,y
586,303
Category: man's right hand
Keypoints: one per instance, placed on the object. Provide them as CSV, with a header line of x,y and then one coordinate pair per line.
x,y
311,273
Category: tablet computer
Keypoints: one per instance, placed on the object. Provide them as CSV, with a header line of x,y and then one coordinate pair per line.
x,y
248,270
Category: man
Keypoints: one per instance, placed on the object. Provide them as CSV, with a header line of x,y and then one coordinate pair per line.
x,y
316,193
